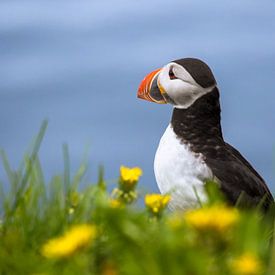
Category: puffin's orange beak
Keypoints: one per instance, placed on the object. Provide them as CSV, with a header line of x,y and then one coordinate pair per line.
x,y
149,90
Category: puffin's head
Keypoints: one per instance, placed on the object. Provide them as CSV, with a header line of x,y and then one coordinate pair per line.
x,y
180,83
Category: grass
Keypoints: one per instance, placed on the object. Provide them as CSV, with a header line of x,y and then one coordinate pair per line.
x,y
91,231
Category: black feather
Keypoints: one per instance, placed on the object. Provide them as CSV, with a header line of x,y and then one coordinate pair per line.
x,y
199,70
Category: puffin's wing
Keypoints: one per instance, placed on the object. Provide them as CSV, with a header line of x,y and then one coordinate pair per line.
x,y
237,176
239,156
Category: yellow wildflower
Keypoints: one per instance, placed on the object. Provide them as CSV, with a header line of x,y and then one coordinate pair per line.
x,y
114,203
218,218
247,264
77,237
156,202
130,175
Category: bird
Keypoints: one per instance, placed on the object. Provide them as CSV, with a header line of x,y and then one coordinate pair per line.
x,y
192,149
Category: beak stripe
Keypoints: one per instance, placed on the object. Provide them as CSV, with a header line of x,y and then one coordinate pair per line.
x,y
146,85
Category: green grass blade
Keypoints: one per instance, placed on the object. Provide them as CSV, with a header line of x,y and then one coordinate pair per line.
x,y
271,267
66,175
29,165
7,167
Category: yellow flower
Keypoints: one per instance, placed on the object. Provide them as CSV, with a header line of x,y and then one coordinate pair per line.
x,y
114,203
130,175
156,202
77,237
218,218
247,264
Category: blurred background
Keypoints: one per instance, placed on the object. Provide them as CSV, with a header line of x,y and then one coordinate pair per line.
x,y
79,64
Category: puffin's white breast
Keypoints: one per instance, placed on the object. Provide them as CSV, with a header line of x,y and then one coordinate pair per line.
x,y
180,172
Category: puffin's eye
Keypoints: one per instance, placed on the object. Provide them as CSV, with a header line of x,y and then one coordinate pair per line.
x,y
171,74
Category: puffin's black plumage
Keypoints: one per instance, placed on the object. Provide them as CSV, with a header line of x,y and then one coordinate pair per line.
x,y
200,71
199,127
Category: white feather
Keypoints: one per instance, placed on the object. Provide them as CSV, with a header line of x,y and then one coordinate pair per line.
x,y
180,172
184,90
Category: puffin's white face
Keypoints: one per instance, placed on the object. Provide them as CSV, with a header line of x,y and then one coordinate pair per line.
x,y
181,88
173,84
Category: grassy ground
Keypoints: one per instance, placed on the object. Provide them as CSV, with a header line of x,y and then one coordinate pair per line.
x,y
59,228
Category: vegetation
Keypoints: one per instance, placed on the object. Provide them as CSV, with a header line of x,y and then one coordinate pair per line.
x,y
61,228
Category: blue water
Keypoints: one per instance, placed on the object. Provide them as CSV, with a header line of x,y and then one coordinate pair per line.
x,y
79,63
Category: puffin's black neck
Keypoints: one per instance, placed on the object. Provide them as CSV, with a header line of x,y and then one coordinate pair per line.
x,y
200,122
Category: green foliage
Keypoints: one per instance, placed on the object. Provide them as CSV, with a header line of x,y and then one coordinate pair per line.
x,y
128,241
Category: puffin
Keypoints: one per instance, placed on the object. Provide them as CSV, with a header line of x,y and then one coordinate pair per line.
x,y
192,150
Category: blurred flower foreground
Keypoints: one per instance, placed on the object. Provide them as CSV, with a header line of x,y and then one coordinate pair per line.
x,y
61,228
